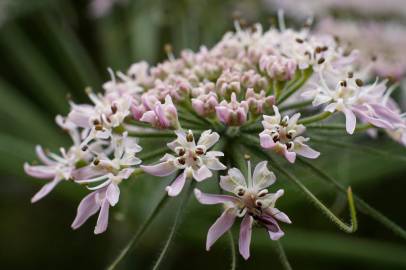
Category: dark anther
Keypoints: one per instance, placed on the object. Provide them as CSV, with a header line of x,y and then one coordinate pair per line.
x,y
308,54
321,61
324,48
258,203
289,145
99,127
240,192
318,50
113,108
359,82
84,148
181,161
96,162
374,58
299,40
350,74
199,151
96,122
181,152
189,137
343,83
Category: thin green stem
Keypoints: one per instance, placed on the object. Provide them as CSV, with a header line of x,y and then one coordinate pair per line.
x,y
361,127
233,252
175,226
282,255
253,144
291,89
314,118
134,240
153,154
361,204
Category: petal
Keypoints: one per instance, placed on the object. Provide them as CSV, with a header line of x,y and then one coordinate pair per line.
x,y
262,177
42,156
276,213
87,208
177,185
44,172
245,236
266,141
306,151
275,232
222,224
350,121
87,172
215,164
205,198
233,180
113,194
103,219
290,156
202,173
208,138
161,169
45,190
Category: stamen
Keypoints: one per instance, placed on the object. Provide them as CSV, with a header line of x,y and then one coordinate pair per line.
x,y
321,61
359,82
189,136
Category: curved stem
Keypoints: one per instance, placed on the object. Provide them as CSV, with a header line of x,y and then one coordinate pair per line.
x,y
296,105
282,255
233,253
175,225
314,118
139,233
292,88
253,144
360,127
361,204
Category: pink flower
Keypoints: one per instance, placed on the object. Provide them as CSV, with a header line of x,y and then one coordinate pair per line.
x,y
162,115
258,102
282,136
251,202
205,104
232,113
193,159
278,67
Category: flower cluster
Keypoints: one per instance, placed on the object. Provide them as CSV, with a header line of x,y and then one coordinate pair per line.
x,y
214,101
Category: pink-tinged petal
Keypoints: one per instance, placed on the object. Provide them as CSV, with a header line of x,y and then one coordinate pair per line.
x,y
87,208
331,107
233,180
149,117
177,185
208,138
222,224
79,118
125,173
266,141
215,164
290,156
45,190
161,169
44,172
275,232
202,173
276,213
87,172
223,114
205,198
350,121
113,194
198,105
262,177
245,236
306,151
42,156
103,219
162,119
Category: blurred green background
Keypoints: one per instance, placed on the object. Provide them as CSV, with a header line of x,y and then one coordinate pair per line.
x,y
51,49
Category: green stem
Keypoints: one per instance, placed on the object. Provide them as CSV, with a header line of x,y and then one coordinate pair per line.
x,y
139,233
314,118
282,255
360,127
175,226
233,252
153,154
361,204
253,144
291,89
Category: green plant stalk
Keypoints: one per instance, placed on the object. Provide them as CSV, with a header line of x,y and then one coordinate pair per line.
x,y
361,204
291,89
361,127
296,105
314,118
134,240
282,255
253,144
233,265
176,223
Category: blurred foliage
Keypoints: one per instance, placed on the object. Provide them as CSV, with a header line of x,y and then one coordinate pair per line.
x,y
51,49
